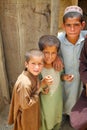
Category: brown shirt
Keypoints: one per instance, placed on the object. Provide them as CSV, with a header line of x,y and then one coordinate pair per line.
x,y
24,108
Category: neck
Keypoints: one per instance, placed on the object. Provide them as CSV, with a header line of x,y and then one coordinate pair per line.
x,y
72,40
48,66
29,74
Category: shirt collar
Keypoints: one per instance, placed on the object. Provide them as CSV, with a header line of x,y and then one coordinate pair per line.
x,y
81,38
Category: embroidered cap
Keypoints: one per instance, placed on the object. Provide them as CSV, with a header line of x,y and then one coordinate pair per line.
x,y
73,9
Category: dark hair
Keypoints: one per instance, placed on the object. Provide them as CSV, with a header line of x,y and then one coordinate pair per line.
x,y
72,15
48,40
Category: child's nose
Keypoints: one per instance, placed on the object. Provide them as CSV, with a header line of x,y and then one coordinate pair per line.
x,y
72,27
49,56
36,66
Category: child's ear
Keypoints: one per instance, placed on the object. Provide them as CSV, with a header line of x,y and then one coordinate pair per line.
x,y
83,25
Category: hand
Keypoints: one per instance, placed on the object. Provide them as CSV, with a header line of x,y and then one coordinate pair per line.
x,y
47,81
57,64
46,90
30,102
68,77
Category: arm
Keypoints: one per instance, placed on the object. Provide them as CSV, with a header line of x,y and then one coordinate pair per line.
x,y
83,64
25,95
58,64
45,83
67,77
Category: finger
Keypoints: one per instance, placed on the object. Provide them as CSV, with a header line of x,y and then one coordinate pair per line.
x,y
59,68
50,81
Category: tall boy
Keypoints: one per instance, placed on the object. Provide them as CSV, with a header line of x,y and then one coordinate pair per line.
x,y
72,41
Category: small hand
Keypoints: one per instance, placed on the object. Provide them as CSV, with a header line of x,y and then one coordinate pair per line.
x,y
30,102
68,77
48,80
58,64
46,90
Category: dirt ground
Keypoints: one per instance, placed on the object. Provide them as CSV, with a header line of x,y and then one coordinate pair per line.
x,y
5,126
3,119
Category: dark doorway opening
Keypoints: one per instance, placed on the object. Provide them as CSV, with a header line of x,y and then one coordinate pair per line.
x,y
83,5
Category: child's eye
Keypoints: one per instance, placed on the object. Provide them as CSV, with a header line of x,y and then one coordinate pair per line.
x,y
46,53
76,25
54,53
68,25
33,63
40,64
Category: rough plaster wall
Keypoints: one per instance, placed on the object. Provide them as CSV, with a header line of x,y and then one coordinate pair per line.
x,y
11,40
4,92
1,99
21,26
30,21
55,7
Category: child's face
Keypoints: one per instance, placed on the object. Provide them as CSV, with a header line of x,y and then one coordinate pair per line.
x,y
35,65
50,53
72,27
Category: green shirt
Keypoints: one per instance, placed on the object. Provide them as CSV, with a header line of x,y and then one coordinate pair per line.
x,y
51,104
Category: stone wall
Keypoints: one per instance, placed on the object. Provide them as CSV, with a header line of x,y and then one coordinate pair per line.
x,y
4,91
21,26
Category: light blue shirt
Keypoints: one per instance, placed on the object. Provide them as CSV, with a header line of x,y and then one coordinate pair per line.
x,y
70,54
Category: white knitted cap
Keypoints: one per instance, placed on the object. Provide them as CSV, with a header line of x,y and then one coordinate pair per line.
x,y
73,9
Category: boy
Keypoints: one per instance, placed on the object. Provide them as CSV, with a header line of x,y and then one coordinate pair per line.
x,y
51,104
24,108
72,41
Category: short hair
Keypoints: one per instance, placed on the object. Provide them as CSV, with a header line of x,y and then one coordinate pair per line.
x,y
72,15
32,53
48,40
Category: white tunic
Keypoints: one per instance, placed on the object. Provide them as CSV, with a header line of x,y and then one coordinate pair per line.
x,y
70,54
